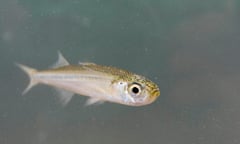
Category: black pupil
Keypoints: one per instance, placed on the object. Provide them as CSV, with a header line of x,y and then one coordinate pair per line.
x,y
135,90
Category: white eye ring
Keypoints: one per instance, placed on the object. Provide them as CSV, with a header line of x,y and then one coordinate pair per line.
x,y
134,89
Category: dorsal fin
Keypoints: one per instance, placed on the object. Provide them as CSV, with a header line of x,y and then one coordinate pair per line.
x,y
86,63
61,61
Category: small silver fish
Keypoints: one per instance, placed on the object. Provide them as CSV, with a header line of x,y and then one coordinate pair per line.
x,y
100,83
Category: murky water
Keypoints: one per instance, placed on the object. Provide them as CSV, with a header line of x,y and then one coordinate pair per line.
x,y
189,48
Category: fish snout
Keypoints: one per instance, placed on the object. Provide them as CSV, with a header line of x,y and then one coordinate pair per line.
x,y
155,93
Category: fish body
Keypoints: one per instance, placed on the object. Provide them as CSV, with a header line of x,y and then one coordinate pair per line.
x,y
100,83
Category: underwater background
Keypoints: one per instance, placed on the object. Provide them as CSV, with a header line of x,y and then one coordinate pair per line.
x,y
189,48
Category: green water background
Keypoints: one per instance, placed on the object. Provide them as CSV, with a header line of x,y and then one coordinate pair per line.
x,y
189,48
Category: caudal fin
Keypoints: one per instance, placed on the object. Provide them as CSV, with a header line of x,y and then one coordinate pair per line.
x,y
29,71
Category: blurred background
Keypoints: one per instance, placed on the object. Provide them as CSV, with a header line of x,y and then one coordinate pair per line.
x,y
189,48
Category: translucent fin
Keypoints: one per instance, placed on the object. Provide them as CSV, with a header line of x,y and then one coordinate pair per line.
x,y
92,101
86,63
61,61
29,71
64,96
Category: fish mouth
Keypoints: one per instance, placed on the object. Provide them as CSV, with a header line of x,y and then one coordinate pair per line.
x,y
155,93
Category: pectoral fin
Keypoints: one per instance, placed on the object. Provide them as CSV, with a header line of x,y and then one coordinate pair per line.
x,y
92,101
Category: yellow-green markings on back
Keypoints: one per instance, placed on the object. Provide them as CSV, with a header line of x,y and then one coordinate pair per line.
x,y
100,83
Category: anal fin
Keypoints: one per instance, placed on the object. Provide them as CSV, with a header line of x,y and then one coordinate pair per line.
x,y
64,96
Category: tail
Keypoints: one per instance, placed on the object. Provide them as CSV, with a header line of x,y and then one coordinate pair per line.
x,y
29,71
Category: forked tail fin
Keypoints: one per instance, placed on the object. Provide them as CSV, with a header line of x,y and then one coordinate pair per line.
x,y
29,71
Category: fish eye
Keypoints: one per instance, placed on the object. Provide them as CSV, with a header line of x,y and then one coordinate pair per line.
x,y
134,89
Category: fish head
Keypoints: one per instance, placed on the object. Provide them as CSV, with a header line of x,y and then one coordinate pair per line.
x,y
137,90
